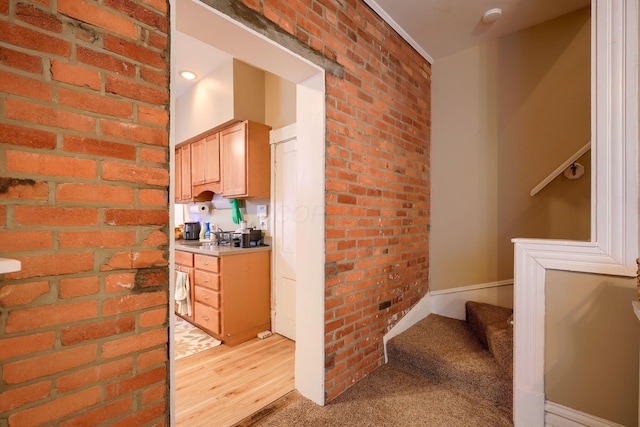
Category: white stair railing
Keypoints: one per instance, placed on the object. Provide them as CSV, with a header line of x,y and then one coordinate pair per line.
x,y
571,160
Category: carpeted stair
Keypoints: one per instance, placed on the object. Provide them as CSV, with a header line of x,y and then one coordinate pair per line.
x,y
473,356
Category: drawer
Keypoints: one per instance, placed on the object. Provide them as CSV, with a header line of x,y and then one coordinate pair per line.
x,y
207,296
183,258
207,317
209,263
207,279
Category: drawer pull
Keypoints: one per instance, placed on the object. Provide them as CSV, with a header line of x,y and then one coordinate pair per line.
x,y
206,319
205,263
206,296
206,280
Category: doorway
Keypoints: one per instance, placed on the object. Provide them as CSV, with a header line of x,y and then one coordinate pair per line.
x,y
210,26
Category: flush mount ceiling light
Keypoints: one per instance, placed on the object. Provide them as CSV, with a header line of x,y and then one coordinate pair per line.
x,y
491,15
189,75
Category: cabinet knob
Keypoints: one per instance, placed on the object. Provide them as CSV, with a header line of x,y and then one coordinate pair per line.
x,y
206,280
206,297
205,318
205,263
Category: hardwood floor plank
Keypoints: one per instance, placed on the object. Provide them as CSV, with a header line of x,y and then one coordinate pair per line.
x,y
224,385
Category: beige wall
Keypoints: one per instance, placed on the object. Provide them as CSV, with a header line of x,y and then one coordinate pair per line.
x,y
280,101
506,114
591,345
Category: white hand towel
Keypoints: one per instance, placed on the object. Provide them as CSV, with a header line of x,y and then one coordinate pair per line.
x,y
181,293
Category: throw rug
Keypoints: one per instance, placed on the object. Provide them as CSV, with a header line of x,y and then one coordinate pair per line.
x,y
190,340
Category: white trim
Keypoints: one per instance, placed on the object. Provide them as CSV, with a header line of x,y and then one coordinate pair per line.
x,y
451,302
561,416
389,20
418,312
614,245
8,265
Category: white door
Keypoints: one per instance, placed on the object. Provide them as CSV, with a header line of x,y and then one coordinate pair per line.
x,y
284,234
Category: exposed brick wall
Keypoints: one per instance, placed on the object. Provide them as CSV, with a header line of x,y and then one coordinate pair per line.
x,y
377,175
83,204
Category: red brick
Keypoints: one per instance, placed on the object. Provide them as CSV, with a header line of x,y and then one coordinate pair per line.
x,y
24,293
153,197
154,77
154,394
48,364
24,86
145,416
122,217
17,397
50,315
101,414
80,286
153,155
93,14
130,303
153,116
56,216
151,358
157,238
52,265
46,164
118,388
105,61
134,10
94,193
96,239
155,317
76,75
3,215
4,7
161,5
120,282
127,172
135,132
37,17
94,374
20,60
61,407
90,332
159,41
134,259
152,277
135,52
27,137
95,103
98,147
28,344
19,241
23,189
17,35
48,116
131,89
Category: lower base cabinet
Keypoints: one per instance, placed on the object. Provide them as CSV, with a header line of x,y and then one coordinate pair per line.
x,y
232,295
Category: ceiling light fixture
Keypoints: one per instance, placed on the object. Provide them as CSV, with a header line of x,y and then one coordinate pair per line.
x,y
491,15
188,75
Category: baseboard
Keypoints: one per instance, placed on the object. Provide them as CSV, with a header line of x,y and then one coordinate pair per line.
x,y
418,312
450,302
560,416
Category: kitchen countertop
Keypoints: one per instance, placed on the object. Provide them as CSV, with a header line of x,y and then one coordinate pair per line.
x,y
211,249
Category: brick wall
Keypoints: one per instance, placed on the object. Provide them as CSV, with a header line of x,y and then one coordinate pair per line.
x,y
377,174
83,204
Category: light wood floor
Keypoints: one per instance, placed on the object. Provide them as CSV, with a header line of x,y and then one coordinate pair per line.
x,y
224,385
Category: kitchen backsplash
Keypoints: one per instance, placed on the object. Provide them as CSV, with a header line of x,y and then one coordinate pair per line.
x,y
221,216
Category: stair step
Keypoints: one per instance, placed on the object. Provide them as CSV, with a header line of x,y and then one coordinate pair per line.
x,y
492,326
446,350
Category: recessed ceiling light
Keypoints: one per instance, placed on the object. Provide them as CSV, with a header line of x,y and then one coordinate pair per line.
x,y
491,15
188,75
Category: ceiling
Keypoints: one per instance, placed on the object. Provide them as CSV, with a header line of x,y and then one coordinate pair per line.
x,y
435,28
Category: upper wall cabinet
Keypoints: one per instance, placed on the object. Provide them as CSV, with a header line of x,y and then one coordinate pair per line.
x,y
183,174
205,164
245,157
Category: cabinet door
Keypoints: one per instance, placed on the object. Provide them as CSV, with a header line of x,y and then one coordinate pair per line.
x,y
177,189
191,292
212,156
233,152
198,162
186,172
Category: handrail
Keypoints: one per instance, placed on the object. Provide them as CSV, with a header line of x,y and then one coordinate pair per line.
x,y
561,168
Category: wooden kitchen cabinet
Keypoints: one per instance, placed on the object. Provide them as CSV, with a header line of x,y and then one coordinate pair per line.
x,y
205,164
183,173
245,158
232,295
184,262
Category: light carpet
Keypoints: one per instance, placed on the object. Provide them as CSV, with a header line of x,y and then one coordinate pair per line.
x,y
190,340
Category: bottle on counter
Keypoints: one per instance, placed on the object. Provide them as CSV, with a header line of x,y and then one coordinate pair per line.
x,y
207,231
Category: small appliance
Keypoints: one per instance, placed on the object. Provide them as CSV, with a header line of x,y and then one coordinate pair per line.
x,y
191,231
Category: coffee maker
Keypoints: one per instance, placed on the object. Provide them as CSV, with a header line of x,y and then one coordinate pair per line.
x,y
191,231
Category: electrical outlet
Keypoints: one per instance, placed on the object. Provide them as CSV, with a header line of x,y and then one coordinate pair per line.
x,y
263,223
